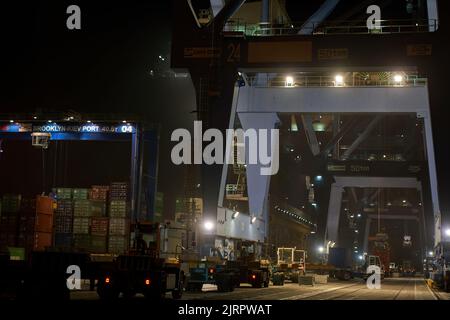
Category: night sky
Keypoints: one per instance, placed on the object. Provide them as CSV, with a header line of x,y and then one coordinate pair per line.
x,y
103,68
106,67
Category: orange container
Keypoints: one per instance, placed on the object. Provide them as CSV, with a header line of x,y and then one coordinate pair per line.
x,y
44,223
42,240
44,205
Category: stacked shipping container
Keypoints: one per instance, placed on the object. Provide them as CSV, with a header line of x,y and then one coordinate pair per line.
x,y
94,220
27,223
27,219
93,228
81,221
119,222
63,223
43,223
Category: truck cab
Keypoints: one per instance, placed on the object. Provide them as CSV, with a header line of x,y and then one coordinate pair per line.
x,y
372,260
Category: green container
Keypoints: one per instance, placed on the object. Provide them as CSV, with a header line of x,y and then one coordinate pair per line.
x,y
81,225
11,202
82,208
16,253
179,205
118,209
64,193
80,194
98,244
117,244
97,208
89,208
82,241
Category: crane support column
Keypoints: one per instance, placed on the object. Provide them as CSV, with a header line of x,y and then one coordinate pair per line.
x,y
258,184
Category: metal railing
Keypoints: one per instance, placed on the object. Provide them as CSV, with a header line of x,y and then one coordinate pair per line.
x,y
295,213
268,80
235,189
332,27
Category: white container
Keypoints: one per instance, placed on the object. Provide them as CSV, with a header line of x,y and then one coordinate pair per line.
x,y
321,278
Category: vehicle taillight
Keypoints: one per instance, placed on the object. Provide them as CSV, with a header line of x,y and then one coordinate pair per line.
x,y
253,276
147,282
107,280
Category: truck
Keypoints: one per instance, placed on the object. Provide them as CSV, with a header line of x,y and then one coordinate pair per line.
x,y
131,274
291,262
145,269
439,266
342,261
340,265
138,270
371,260
200,273
407,269
234,273
247,268
379,246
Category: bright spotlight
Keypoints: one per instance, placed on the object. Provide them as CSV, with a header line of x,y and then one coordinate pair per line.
x,y
208,225
430,253
398,78
320,249
447,232
319,178
361,257
289,81
339,79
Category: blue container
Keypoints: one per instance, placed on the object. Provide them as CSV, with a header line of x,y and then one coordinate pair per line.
x,y
340,258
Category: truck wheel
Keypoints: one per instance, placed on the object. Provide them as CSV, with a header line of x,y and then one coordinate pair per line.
x,y
107,293
177,294
225,287
347,276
